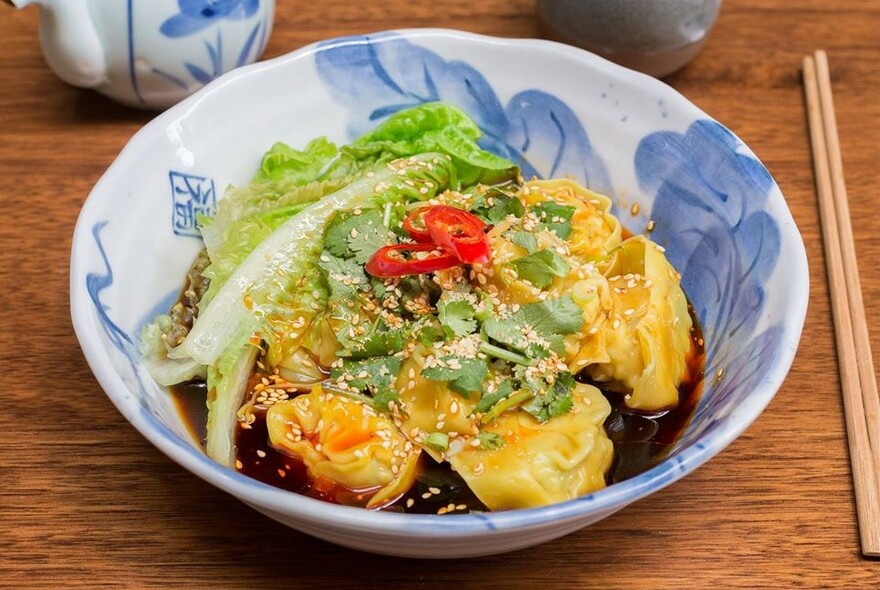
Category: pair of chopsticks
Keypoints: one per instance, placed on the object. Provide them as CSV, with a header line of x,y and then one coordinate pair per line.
x,y
860,399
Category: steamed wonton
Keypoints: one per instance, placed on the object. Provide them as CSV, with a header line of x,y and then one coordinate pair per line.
x,y
344,441
647,334
541,462
431,406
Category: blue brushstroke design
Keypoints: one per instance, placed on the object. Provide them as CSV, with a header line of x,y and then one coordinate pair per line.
x,y
246,49
215,57
95,284
376,76
196,15
709,213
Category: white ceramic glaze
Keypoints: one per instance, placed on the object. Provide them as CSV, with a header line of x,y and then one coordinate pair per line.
x,y
557,110
150,53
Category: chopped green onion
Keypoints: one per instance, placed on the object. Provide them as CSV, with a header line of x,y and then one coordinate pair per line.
x,y
505,355
438,441
508,403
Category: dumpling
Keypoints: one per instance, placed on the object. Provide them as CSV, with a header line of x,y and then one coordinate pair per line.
x,y
431,406
647,332
345,441
594,230
541,463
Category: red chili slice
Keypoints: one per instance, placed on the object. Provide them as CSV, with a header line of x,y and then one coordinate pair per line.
x,y
461,232
414,224
405,259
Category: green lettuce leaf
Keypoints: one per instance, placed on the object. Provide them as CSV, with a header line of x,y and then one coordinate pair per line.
x,y
430,127
283,162
288,254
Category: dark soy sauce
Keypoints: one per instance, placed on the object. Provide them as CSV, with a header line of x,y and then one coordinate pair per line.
x,y
640,440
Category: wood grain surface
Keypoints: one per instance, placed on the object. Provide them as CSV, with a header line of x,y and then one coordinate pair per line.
x,y
85,501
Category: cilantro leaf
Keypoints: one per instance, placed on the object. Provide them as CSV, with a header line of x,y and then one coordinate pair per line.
x,y
429,330
371,373
380,342
555,217
344,276
358,236
552,316
504,389
367,337
549,319
491,440
523,239
540,268
495,205
458,316
383,396
463,374
550,401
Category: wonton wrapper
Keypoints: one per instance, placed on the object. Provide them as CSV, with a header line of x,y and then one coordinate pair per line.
x,y
541,463
594,230
649,347
355,446
429,403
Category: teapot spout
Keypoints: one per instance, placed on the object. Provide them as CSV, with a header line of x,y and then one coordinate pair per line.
x,y
71,43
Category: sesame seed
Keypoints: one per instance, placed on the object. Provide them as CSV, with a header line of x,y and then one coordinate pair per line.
x,y
650,225
261,453
238,464
410,502
634,210
282,473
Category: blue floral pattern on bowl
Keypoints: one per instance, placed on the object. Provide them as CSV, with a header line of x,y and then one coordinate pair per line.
x,y
376,76
710,211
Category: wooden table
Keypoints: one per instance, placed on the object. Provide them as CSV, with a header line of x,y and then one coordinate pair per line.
x,y
86,501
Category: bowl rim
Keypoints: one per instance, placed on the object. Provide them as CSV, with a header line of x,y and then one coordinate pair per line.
x,y
256,493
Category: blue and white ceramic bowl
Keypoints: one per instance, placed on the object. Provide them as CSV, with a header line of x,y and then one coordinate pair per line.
x,y
555,109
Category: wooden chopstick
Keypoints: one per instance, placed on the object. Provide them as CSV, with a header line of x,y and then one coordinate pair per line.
x,y
856,365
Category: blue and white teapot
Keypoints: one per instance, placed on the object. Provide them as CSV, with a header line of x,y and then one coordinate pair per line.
x,y
150,53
